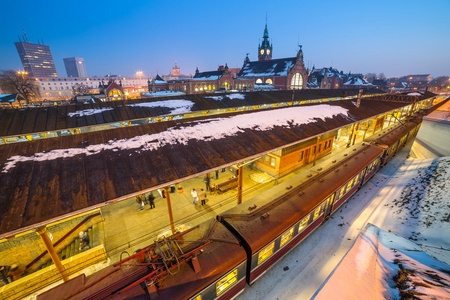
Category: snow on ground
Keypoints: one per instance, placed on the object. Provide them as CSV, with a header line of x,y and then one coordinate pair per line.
x,y
381,265
207,130
408,198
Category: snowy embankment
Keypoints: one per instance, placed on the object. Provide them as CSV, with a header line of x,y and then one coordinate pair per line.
x,y
408,198
381,265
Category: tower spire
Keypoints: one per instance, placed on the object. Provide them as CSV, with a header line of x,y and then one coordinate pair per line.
x,y
265,48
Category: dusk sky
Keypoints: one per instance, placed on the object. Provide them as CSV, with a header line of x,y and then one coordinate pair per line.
x,y
397,38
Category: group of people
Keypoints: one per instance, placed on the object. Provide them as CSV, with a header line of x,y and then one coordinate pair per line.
x,y
10,273
199,196
141,201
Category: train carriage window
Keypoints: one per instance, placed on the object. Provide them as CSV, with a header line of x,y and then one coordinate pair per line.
x,y
341,192
286,237
199,297
303,223
266,159
317,212
356,180
349,185
226,282
265,253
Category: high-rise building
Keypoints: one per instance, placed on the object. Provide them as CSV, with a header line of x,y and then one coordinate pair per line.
x,y
36,59
75,67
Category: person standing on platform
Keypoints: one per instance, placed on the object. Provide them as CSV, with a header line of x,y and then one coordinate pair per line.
x,y
202,196
140,202
151,199
195,196
217,174
84,241
207,181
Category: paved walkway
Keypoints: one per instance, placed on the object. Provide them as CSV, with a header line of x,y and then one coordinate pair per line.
x,y
128,229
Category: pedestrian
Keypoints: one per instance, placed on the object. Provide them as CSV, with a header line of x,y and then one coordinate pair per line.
x,y
140,202
202,196
207,181
151,199
84,241
195,196
217,174
5,278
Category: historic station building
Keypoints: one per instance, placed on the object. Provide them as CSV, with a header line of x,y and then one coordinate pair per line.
x,y
284,73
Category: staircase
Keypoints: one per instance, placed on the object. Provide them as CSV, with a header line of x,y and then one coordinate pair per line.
x,y
72,249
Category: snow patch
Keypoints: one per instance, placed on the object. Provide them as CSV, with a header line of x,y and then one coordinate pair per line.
x,y
88,112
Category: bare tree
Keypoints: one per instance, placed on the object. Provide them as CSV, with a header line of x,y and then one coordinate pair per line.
x,y
382,76
81,89
15,83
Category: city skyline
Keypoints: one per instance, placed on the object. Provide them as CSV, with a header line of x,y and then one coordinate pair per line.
x,y
149,37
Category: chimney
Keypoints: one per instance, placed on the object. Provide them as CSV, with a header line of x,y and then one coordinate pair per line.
x,y
358,102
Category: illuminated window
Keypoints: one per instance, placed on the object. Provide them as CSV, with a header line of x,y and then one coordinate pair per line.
x,y
272,161
349,185
226,84
199,297
303,223
266,159
196,88
209,87
297,81
265,253
356,179
214,86
269,81
286,237
317,213
300,157
226,282
258,81
342,192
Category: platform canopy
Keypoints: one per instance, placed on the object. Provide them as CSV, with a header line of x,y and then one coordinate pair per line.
x,y
44,180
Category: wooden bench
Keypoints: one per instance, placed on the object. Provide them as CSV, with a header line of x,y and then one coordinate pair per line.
x,y
227,185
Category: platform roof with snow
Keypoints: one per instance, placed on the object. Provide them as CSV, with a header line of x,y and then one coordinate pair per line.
x,y
46,119
50,179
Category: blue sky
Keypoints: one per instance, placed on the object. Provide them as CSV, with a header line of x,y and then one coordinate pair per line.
x,y
122,37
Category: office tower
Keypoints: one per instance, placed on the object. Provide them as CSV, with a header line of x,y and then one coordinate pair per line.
x,y
75,67
36,59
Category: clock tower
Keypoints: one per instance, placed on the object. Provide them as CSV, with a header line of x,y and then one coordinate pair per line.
x,y
265,49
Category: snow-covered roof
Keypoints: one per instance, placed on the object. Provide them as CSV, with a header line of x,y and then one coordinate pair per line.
x,y
163,93
266,68
97,160
211,75
357,80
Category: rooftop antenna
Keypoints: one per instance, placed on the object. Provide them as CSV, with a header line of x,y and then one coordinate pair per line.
x,y
25,36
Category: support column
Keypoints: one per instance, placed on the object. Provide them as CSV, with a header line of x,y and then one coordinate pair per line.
x,y
350,136
169,207
317,150
42,231
411,110
365,130
356,133
240,176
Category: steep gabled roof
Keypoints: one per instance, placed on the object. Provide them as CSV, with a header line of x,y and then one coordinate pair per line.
x,y
211,75
357,80
274,67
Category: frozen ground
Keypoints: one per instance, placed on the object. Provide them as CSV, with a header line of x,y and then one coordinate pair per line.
x,y
409,198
